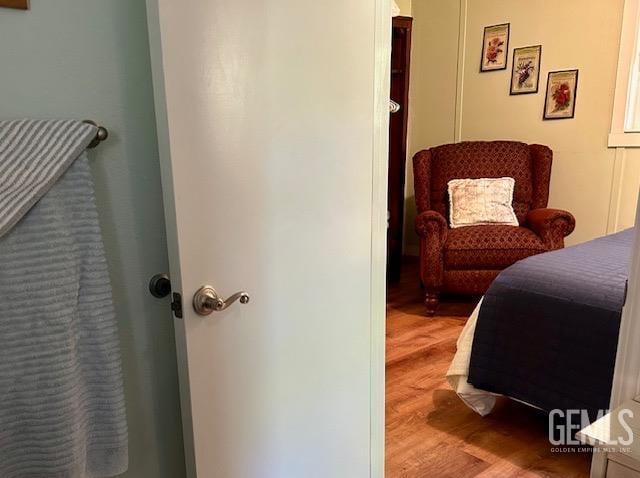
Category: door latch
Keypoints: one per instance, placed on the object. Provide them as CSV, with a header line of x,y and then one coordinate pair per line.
x,y
160,286
176,305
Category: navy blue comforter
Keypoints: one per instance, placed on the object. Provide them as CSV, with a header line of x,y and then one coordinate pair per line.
x,y
548,327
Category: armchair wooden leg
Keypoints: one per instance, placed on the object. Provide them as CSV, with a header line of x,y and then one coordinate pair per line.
x,y
431,301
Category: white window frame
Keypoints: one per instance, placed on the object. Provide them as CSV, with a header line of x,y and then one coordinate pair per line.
x,y
619,137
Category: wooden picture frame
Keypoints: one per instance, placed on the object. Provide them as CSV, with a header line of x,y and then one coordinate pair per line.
x,y
495,48
17,4
561,93
525,70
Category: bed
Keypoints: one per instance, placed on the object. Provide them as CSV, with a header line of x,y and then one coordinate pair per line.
x,y
546,331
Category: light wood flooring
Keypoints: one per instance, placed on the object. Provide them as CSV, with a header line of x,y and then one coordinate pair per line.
x,y
430,433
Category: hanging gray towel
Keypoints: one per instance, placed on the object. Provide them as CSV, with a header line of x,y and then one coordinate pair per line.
x,y
62,411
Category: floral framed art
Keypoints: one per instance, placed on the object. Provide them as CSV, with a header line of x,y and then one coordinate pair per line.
x,y
525,70
560,99
495,45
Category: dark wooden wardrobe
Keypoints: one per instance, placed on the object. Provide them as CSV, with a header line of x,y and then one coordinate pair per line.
x,y
400,61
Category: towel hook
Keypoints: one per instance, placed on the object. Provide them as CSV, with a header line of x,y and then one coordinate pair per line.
x,y
101,135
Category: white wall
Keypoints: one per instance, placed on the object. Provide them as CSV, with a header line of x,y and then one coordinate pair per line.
x,y
90,59
598,185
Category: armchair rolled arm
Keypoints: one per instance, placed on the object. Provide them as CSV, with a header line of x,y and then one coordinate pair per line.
x,y
432,228
552,225
432,225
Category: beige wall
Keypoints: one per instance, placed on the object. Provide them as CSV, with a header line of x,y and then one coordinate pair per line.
x,y
432,96
624,194
599,185
405,7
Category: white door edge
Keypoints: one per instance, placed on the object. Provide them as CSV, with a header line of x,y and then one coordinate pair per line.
x,y
164,148
379,234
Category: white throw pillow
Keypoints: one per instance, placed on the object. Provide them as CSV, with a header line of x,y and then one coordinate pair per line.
x,y
481,201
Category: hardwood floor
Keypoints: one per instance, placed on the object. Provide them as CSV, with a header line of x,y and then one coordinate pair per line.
x,y
430,433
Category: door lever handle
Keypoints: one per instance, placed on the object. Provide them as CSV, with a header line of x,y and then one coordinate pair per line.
x,y
206,300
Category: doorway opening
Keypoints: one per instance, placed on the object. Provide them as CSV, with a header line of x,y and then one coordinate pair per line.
x,y
430,431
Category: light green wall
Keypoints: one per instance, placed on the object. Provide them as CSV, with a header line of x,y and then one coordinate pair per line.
x,y
90,59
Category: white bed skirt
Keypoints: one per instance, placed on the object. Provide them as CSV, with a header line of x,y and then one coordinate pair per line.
x,y
479,401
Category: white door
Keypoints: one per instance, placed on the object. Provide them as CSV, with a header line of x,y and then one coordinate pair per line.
x,y
272,118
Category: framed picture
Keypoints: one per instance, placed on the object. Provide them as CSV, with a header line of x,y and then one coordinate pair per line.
x,y
525,70
19,4
495,45
560,100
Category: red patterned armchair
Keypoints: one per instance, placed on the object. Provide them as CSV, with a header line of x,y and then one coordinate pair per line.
x,y
465,260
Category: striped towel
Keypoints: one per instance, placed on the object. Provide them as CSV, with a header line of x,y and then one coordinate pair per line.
x,y
62,412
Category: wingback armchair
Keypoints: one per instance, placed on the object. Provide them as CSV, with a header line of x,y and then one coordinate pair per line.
x,y
465,260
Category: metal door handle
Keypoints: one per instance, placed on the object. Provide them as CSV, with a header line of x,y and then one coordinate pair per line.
x,y
207,300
